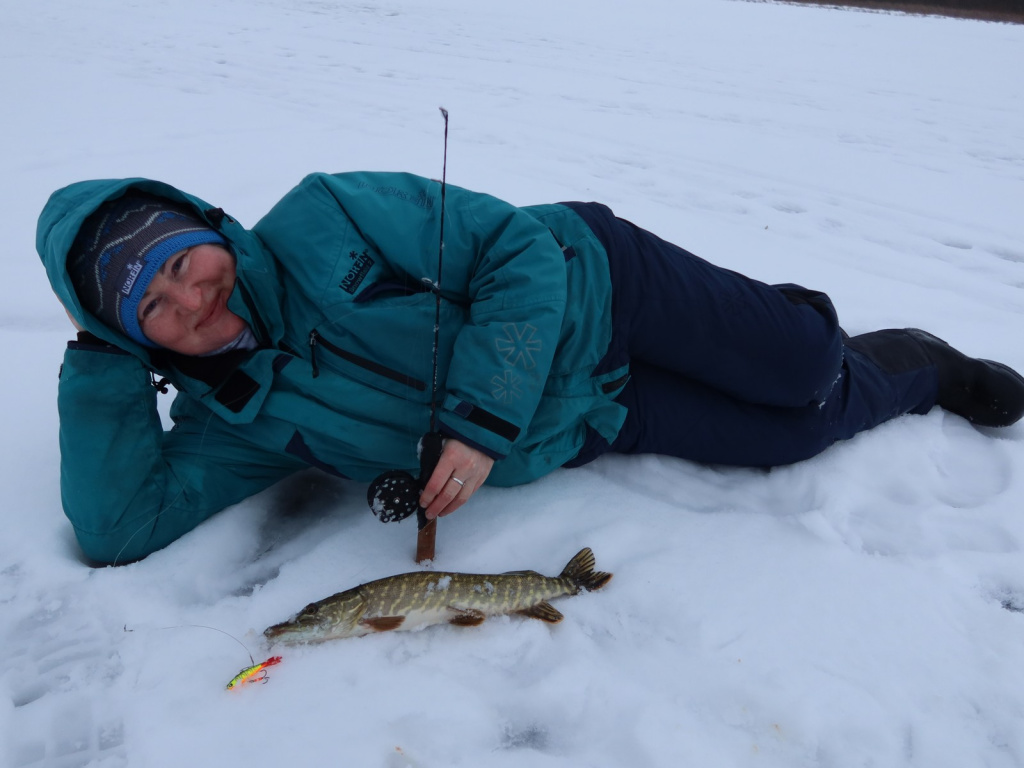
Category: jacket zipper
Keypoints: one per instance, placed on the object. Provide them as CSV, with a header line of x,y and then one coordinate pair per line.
x,y
313,336
316,340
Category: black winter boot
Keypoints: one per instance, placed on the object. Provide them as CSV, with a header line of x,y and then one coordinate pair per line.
x,y
984,392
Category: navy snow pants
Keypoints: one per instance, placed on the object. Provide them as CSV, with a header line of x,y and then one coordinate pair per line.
x,y
728,370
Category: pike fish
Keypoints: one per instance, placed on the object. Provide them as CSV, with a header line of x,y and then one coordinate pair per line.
x,y
422,598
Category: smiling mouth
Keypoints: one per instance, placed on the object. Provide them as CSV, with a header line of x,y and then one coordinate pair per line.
x,y
212,314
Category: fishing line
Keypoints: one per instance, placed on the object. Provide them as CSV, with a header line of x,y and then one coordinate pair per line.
x,y
200,626
254,673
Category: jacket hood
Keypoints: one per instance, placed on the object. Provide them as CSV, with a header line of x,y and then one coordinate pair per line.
x,y
69,207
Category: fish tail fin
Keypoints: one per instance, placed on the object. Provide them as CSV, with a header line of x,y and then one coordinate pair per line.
x,y
580,571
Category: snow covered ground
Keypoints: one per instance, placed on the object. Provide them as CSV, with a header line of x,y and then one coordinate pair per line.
x,y
865,608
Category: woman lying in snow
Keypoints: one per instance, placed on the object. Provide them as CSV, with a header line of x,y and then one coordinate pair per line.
x,y
308,340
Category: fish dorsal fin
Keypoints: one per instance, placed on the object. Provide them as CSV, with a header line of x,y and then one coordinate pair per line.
x,y
466,617
520,573
383,623
543,611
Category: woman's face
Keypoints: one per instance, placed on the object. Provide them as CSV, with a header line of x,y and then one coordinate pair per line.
x,y
185,305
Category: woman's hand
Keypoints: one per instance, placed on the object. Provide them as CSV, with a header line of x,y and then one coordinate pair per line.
x,y
459,472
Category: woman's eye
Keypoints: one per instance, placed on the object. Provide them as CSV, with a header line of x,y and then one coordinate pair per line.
x,y
148,308
179,264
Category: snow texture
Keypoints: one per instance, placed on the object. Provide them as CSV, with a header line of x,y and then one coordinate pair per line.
x,y
864,608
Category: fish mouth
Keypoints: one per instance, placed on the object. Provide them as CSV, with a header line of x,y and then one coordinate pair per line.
x,y
281,631
293,632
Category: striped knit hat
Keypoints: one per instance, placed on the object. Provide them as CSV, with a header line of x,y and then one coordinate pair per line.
x,y
119,249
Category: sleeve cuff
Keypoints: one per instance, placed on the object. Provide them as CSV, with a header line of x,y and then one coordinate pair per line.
x,y
478,427
456,435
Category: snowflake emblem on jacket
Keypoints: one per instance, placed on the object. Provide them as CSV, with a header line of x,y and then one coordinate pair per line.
x,y
519,345
505,387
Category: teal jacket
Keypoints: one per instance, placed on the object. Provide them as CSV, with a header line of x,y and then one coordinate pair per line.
x,y
336,283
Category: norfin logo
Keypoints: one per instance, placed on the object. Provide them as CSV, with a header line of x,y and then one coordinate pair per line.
x,y
132,275
361,263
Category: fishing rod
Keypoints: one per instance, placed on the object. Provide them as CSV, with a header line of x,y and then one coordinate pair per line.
x,y
394,495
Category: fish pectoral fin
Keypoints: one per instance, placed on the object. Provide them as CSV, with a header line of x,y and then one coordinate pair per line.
x,y
383,623
466,617
543,611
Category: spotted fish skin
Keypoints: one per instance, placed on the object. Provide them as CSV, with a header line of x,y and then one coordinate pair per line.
x,y
423,598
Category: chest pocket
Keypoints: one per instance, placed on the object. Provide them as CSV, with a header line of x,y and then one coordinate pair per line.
x,y
387,343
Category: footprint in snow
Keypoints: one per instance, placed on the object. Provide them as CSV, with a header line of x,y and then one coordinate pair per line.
x,y
1007,255
530,736
960,245
1012,600
58,665
789,208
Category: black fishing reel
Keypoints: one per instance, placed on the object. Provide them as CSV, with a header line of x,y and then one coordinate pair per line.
x,y
395,494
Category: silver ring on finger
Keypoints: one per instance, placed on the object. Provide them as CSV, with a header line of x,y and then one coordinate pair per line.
x,y
460,482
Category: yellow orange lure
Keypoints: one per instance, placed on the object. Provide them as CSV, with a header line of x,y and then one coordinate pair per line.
x,y
257,673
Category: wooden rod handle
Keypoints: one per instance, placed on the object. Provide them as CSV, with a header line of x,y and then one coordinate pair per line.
x,y
425,538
